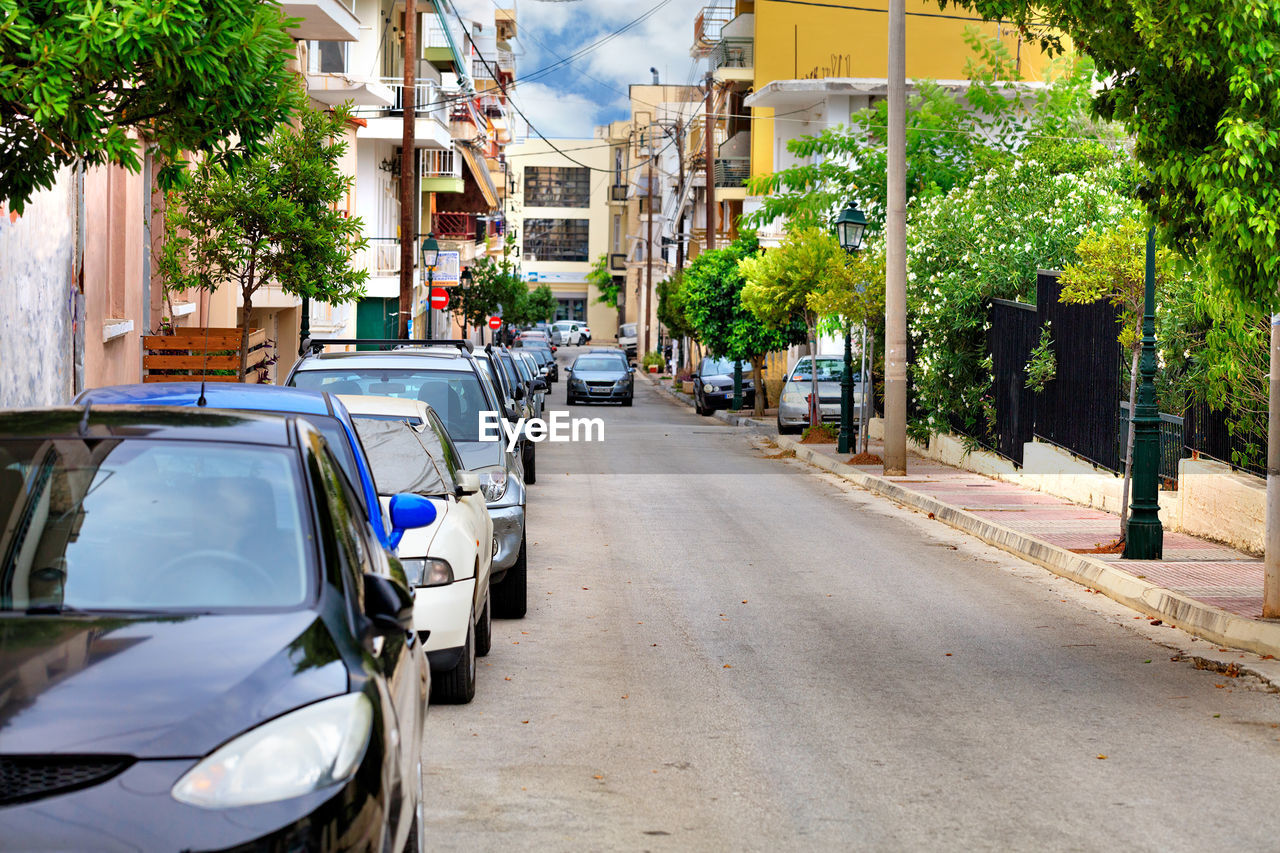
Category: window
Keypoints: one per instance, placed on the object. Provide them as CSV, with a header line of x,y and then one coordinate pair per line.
x,y
556,239
557,186
617,232
326,57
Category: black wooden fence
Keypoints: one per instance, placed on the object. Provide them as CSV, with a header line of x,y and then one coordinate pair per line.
x,y
1206,432
1015,328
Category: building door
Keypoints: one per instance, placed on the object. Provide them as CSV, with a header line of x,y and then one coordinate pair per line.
x,y
376,317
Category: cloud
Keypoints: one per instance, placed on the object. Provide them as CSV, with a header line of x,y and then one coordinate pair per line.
x,y
564,114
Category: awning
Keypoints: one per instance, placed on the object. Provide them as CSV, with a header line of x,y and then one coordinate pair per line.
x,y
480,171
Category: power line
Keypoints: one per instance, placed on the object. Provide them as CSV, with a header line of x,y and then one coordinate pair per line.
x,y
882,11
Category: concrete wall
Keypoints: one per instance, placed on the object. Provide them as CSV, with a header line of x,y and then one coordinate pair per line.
x,y
37,295
1212,501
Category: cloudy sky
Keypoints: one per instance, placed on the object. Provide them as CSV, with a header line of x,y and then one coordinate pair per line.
x,y
591,89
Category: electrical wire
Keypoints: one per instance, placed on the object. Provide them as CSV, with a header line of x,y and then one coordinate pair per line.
x,y
883,11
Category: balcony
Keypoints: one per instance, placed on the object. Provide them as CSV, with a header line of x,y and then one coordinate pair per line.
x,y
439,45
456,226
325,20
384,256
707,27
441,170
387,122
734,60
732,171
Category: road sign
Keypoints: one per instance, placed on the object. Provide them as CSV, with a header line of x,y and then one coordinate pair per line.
x,y
446,271
439,298
495,323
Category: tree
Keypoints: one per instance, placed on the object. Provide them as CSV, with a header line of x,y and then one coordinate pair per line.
x,y
1196,87
495,286
671,299
857,300
600,276
541,304
274,220
711,288
75,78
786,285
1112,266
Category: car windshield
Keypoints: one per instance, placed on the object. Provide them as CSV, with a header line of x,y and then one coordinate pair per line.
x,y
828,370
405,457
455,395
721,366
627,330
522,368
111,524
600,364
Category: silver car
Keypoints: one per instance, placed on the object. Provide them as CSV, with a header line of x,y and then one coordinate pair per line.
x,y
793,408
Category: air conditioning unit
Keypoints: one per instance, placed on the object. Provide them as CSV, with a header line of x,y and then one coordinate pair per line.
x,y
618,192
617,261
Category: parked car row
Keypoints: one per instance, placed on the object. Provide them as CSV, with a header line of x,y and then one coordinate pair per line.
x,y
226,607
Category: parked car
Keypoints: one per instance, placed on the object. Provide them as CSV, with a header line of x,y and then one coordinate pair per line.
x,y
451,380
793,407
534,381
568,333
543,353
713,385
627,339
205,645
323,411
601,376
447,564
516,403
586,333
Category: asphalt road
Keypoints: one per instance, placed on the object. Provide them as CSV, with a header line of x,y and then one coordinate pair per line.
x,y
726,651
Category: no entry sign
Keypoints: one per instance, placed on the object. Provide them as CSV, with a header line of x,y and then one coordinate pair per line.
x,y
495,323
439,298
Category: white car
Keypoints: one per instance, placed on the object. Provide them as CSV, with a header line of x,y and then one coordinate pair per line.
x,y
447,562
568,333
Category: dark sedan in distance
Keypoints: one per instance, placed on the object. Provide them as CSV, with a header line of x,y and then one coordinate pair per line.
x,y
713,386
598,376
202,644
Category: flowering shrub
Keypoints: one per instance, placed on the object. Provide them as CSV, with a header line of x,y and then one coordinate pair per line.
x,y
985,241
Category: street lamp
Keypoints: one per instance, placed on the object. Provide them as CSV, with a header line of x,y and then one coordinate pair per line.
x,y
464,282
430,252
850,225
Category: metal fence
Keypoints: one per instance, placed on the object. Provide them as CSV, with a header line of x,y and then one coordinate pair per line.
x,y
1015,328
1172,443
1207,433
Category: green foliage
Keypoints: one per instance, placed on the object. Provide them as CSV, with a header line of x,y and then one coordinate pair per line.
x,y
820,434
1195,85
1042,365
949,138
671,307
272,221
494,285
600,276
795,281
652,358
76,77
711,289
1112,265
539,305
982,242
859,297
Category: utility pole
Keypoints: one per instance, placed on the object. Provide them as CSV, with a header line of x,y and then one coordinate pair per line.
x,y
709,145
1271,558
407,231
895,300
648,252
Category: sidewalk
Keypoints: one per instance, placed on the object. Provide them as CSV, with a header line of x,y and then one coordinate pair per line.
x,y
1205,588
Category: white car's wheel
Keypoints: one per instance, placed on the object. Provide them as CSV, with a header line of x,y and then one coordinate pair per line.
x,y
458,685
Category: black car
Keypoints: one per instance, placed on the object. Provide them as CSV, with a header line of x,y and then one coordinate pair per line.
x,y
600,376
542,351
202,644
713,386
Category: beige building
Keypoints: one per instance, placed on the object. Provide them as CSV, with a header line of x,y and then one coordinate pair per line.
x,y
564,224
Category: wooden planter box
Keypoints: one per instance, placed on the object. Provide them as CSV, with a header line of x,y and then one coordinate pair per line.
x,y
192,355
687,386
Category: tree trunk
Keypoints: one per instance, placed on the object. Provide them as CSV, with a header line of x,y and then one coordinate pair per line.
x,y
757,379
815,409
247,292
1128,447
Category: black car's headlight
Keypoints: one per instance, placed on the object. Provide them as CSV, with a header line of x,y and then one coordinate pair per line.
x,y
427,571
303,751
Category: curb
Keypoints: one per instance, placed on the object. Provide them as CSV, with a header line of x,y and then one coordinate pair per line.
x,y
1175,609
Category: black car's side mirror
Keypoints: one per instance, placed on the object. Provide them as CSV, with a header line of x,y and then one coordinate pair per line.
x,y
631,370
387,605
519,393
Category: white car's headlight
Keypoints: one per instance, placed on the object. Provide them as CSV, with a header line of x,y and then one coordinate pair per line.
x,y
493,482
303,751
427,571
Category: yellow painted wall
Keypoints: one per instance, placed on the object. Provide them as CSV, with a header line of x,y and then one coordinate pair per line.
x,y
797,42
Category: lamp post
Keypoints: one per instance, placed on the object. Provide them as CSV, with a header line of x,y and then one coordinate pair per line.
x,y
850,225
464,282
430,252
1144,539
737,385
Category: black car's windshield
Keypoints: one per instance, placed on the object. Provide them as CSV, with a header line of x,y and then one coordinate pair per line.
x,y
721,367
402,458
602,364
111,524
523,368
455,395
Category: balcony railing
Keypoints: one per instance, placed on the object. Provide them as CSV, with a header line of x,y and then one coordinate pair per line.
x,y
506,61
732,171
733,53
437,163
384,255
707,27
455,226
